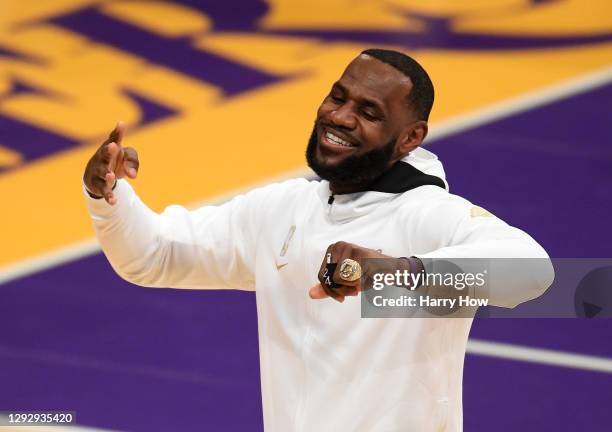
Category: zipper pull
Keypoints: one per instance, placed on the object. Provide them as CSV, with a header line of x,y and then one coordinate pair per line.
x,y
331,199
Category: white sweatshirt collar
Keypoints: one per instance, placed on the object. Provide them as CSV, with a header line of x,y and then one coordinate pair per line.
x,y
345,207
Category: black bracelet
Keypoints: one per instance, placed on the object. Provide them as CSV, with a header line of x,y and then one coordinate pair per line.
x,y
416,266
94,196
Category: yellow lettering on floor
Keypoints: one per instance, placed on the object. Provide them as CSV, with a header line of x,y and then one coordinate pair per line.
x,y
212,143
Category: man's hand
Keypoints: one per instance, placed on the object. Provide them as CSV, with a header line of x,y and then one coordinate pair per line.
x,y
110,163
340,251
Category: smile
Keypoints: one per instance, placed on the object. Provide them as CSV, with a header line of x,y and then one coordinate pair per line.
x,y
331,139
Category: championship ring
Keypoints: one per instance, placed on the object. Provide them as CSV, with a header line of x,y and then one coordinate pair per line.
x,y
350,270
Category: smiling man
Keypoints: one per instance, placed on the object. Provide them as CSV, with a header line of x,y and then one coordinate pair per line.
x,y
299,243
373,116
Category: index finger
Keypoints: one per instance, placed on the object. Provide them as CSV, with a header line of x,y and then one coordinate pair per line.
x,y
117,134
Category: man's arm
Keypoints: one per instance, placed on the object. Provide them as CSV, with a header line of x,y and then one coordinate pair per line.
x,y
520,268
212,246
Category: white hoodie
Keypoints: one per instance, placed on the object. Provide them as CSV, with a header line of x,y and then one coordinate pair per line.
x,y
323,367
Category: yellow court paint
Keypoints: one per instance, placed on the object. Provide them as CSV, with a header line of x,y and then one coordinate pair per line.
x,y
213,144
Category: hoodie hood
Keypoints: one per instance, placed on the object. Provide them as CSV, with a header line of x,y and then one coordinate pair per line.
x,y
421,167
428,163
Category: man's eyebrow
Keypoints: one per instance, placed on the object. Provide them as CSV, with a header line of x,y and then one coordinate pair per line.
x,y
374,103
338,86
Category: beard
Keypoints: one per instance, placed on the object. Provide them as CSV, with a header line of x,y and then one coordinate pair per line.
x,y
355,169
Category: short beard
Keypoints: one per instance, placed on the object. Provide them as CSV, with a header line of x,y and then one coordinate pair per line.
x,y
354,170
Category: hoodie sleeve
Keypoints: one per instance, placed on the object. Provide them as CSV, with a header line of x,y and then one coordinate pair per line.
x,y
213,246
520,268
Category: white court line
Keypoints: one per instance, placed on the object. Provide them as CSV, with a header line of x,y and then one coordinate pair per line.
x,y
475,347
448,127
508,107
48,260
91,246
539,355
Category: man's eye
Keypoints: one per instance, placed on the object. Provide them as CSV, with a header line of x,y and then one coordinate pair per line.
x,y
336,98
369,116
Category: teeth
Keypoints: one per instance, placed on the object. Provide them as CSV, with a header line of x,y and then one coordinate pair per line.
x,y
337,140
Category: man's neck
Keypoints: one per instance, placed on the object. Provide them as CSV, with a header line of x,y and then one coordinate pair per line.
x,y
341,189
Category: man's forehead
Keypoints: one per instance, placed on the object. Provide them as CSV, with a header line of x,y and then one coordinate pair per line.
x,y
375,78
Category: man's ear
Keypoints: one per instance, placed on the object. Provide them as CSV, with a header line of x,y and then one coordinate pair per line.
x,y
412,136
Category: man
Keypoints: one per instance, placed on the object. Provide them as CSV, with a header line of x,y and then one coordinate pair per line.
x,y
323,367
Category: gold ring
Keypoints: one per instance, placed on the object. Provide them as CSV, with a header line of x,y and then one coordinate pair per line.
x,y
350,270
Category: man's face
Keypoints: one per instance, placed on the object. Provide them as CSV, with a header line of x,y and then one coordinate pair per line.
x,y
356,132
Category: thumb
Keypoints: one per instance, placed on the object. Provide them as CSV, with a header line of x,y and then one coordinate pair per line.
x,y
317,292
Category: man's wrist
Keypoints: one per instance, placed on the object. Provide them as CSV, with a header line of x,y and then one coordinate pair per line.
x,y
412,265
93,195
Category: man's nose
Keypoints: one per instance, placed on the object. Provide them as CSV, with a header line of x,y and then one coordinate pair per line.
x,y
343,116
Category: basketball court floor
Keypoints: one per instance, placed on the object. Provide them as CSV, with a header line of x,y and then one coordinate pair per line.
x,y
218,102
